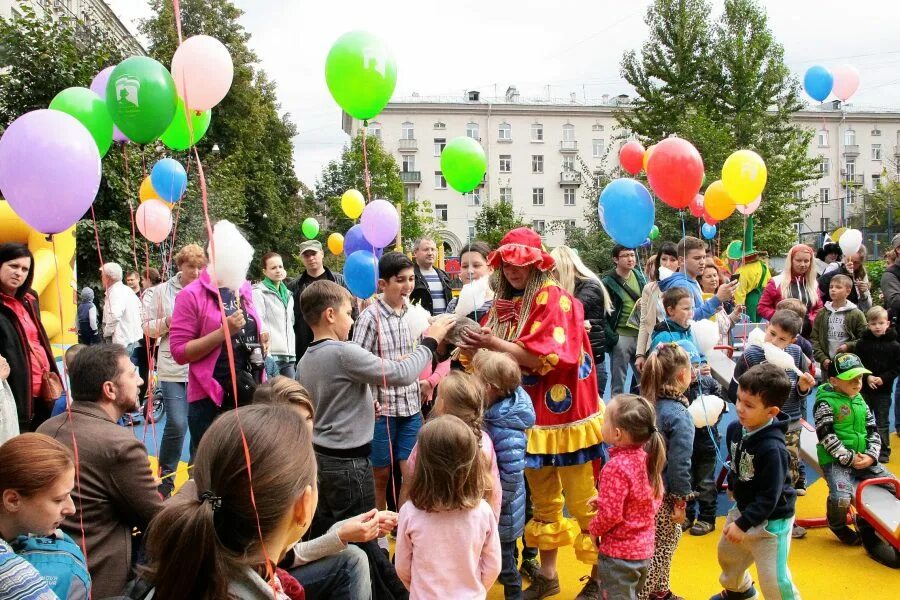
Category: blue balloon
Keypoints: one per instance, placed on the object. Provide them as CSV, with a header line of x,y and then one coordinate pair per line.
x,y
818,82
626,211
355,240
646,243
708,231
169,179
361,273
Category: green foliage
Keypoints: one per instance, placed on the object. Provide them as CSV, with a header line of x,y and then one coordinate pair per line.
x,y
494,220
872,212
875,269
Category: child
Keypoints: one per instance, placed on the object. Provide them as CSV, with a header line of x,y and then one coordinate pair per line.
x,y
62,403
676,327
849,443
507,415
781,332
840,322
631,490
447,540
879,352
797,306
664,379
703,461
758,528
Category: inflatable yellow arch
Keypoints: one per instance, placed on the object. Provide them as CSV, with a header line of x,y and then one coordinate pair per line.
x,y
47,277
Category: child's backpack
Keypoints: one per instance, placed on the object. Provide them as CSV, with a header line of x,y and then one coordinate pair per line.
x,y
59,561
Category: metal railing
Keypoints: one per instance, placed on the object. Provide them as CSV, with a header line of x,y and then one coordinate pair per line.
x,y
570,178
408,144
851,149
568,146
411,176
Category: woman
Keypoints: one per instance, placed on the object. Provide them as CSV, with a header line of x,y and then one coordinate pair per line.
x,y
37,475
159,305
798,280
728,313
540,325
275,304
657,268
473,266
220,536
853,266
582,283
23,340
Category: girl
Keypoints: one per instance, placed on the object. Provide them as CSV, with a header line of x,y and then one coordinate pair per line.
x,y
664,380
275,304
798,280
728,314
664,263
473,266
508,414
631,490
447,541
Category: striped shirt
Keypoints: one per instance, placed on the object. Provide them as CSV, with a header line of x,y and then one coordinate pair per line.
x,y
436,289
19,580
384,332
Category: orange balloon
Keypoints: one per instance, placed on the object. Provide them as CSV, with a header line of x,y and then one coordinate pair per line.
x,y
717,202
146,191
647,156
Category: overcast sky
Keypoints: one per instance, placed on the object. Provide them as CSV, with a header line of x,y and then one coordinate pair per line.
x,y
479,44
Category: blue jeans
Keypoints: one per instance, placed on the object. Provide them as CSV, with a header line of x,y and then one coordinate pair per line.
x,y
280,365
174,395
201,414
842,489
509,571
620,359
341,576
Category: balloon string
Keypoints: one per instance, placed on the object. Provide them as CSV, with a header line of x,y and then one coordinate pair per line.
x,y
368,178
96,235
148,349
130,207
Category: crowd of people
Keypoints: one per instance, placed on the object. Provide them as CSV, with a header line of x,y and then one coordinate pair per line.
x,y
321,426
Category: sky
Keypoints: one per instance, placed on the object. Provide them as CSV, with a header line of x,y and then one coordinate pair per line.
x,y
445,48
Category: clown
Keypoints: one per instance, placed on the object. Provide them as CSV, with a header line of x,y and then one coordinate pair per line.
x,y
754,273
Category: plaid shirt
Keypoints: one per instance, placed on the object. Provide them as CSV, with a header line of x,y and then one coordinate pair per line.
x,y
394,342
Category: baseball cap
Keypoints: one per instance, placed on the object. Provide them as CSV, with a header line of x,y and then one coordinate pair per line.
x,y
847,366
311,245
895,241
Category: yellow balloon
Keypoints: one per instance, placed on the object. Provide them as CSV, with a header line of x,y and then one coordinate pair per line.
x,y
146,192
838,233
744,175
352,203
647,154
336,243
717,202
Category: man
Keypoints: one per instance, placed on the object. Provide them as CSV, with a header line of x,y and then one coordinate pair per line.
x,y
313,257
432,290
121,309
133,281
625,285
116,491
890,288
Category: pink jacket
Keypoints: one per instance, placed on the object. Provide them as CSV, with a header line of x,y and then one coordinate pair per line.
x,y
771,296
435,376
197,314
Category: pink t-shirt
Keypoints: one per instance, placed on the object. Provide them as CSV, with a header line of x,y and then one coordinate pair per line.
x,y
453,554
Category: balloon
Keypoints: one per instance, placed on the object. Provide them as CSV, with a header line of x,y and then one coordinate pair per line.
x,y
380,223
310,228
717,202
696,206
352,203
744,175
154,220
675,171
169,179
141,98
709,220
354,241
626,211
336,243
706,334
49,169
646,158
818,82
202,69
850,241
361,273
654,233
646,243
708,231
631,157
361,74
146,191
463,164
749,209
177,136
90,110
98,86
846,82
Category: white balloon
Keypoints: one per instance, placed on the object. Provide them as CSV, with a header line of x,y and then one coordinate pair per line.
x,y
706,333
705,410
850,241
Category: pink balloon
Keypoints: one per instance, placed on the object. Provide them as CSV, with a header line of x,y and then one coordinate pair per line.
x,y
749,209
696,206
154,220
380,223
203,71
98,86
846,82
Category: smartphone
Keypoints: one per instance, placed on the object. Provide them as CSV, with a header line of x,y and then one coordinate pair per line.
x,y
736,277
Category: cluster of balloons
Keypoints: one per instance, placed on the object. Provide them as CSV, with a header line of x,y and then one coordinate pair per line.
x,y
364,243
158,193
842,81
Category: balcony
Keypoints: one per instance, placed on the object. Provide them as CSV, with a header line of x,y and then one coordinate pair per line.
x,y
858,179
411,177
570,178
896,151
408,145
851,150
568,146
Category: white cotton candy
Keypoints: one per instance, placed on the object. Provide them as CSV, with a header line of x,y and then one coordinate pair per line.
x,y
706,333
705,410
756,337
664,273
472,296
416,319
780,358
233,254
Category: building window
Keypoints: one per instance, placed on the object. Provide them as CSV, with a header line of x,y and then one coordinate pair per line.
x,y
850,198
471,230
409,163
407,132
537,163
409,192
505,163
440,212
569,196
596,127
876,181
825,223
473,198
850,169
439,144
876,151
439,182
825,166
824,195
537,132
598,147
472,131
374,130
506,194
537,196
798,195
569,224
568,132
568,163
539,227
504,133
849,137
440,125
876,132
823,138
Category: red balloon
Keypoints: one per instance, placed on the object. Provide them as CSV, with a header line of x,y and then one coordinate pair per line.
x,y
709,220
631,157
675,172
696,207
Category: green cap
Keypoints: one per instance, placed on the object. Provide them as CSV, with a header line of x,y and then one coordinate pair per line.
x,y
311,245
847,366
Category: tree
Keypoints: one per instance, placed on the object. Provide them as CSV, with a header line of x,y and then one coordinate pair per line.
x,y
495,219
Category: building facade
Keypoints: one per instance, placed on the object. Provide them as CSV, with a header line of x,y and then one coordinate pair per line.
x,y
536,148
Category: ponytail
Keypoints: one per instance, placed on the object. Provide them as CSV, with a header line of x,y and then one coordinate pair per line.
x,y
661,371
656,461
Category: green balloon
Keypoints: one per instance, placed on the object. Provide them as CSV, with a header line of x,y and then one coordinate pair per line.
x,y
654,232
310,228
463,164
177,136
361,74
141,98
90,110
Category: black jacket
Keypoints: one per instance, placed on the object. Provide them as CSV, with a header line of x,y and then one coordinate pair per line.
x,y
303,334
421,293
881,355
759,476
589,292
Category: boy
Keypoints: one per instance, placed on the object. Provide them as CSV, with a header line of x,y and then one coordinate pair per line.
x,y
758,529
62,403
676,327
797,306
338,376
838,323
849,443
691,261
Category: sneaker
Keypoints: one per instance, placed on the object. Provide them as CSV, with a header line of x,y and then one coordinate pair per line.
x,y
798,532
688,523
590,591
727,595
702,528
667,595
530,568
541,587
848,536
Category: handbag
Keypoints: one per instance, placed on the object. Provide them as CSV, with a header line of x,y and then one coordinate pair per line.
x,y
51,384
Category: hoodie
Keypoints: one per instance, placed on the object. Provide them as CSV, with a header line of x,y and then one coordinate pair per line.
x,y
878,354
88,331
671,332
702,310
836,326
755,355
759,476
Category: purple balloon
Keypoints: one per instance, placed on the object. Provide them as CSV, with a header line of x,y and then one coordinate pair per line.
x,y
49,169
380,223
98,86
355,240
